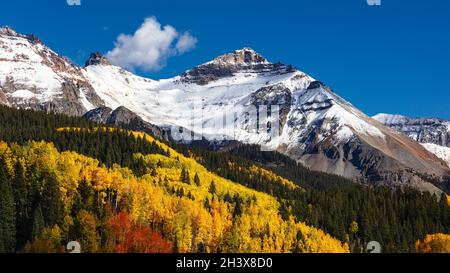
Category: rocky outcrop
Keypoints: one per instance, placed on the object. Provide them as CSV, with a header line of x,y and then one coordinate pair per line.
x,y
99,115
97,59
126,119
423,130
7,31
245,60
3,98
89,93
278,95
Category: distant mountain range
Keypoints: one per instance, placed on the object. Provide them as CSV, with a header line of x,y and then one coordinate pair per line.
x,y
432,133
317,127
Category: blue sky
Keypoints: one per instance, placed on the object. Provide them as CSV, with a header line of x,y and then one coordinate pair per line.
x,y
393,58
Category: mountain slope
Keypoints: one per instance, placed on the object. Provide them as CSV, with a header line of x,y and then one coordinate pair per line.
x,y
225,99
126,119
34,76
433,133
323,201
423,130
440,151
91,176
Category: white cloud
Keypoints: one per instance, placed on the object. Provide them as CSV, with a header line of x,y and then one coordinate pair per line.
x,y
150,46
186,42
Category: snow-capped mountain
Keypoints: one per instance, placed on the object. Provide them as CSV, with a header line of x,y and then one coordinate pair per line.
x,y
433,133
423,130
34,76
225,99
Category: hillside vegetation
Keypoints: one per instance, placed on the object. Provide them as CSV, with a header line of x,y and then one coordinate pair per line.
x,y
162,201
121,190
63,196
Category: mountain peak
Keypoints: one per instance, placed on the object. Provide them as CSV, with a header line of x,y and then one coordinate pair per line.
x,y
97,58
6,30
244,56
245,60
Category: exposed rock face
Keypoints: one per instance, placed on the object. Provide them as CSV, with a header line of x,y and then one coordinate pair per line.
x,y
7,31
99,115
33,76
278,95
97,59
330,135
241,61
423,130
3,98
124,118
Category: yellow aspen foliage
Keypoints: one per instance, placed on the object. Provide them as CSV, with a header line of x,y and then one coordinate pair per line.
x,y
49,241
269,175
188,215
88,226
434,243
6,155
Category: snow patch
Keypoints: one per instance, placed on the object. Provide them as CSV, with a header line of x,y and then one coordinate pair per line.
x,y
440,151
23,94
389,119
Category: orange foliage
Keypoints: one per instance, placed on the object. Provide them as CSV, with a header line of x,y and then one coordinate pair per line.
x,y
434,243
129,238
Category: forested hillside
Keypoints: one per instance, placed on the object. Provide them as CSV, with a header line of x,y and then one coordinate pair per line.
x,y
395,218
118,190
174,204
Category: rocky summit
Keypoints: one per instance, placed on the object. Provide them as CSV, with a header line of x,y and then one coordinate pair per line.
x,y
97,59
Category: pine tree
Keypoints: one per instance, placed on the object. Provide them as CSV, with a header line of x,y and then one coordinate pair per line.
x,y
207,205
38,222
237,206
187,178
7,213
197,179
213,188
52,208
23,203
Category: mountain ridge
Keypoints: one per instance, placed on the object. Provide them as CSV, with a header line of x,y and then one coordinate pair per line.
x,y
317,127
423,130
432,133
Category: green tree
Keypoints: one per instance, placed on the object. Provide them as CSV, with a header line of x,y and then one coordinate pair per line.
x,y
52,207
22,196
213,188
207,204
237,206
197,179
7,212
38,223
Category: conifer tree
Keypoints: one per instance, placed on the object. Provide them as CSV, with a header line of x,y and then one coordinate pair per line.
x,y
52,208
197,179
213,188
7,212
